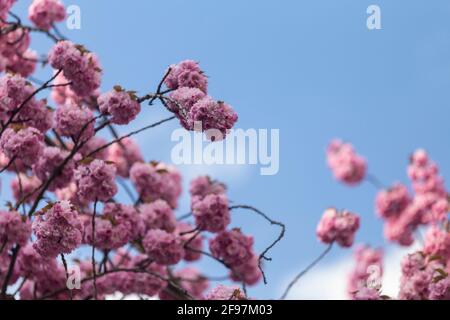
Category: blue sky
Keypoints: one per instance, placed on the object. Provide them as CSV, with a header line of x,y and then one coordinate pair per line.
x,y
309,68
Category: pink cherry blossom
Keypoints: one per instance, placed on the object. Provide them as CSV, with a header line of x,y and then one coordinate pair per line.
x,y
155,181
158,215
338,227
121,105
124,155
203,186
347,166
25,144
437,242
96,181
248,273
212,115
212,213
392,202
182,101
195,246
365,278
74,121
233,247
117,226
23,64
79,66
52,159
25,188
225,293
191,280
44,13
187,74
162,247
57,229
14,229
5,5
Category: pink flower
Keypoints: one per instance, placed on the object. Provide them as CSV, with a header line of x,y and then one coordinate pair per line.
x,y
182,101
225,293
184,230
36,114
18,164
124,155
13,229
150,283
400,231
163,248
249,272
63,94
424,277
115,228
75,122
79,66
365,278
392,202
437,243
204,186
155,181
347,166
25,188
54,280
212,115
367,294
413,263
23,64
57,229
233,247
96,181
5,5
431,195
70,193
338,227
33,266
191,280
44,13
440,290
52,158
14,90
212,213
187,74
94,144
15,42
25,144
121,105
158,215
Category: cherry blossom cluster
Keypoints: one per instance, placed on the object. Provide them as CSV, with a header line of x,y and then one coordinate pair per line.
x,y
348,167
406,213
15,54
339,227
191,103
68,182
44,13
364,281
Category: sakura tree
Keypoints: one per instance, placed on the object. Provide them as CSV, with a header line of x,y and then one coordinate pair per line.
x,y
65,179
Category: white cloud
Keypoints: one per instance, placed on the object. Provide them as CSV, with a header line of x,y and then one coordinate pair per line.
x,y
329,281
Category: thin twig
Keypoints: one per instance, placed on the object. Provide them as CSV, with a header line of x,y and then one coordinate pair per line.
x,y
263,256
305,271
128,136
